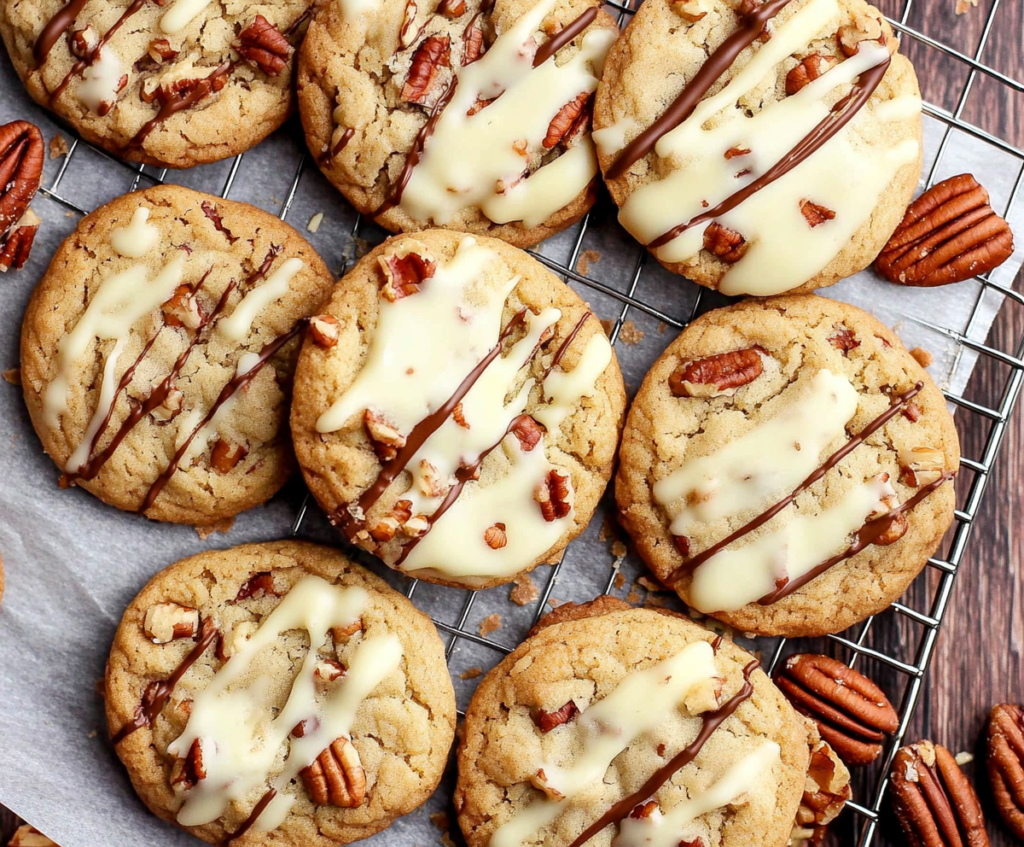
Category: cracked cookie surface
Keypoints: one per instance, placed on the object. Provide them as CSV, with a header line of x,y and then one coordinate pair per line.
x,y
824,219
401,729
584,661
161,338
171,84
489,482
508,152
703,461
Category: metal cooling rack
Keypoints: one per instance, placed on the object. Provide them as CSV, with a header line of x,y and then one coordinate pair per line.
x,y
920,627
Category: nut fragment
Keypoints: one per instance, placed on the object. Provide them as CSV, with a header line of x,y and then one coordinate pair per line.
x,y
809,69
386,439
934,803
644,810
258,584
528,432
865,27
495,536
563,123
553,495
814,214
692,10
336,778
167,622
826,790
325,329
404,270
225,455
718,375
948,234
85,41
160,50
329,670
184,309
851,712
190,770
1006,764
539,780
425,80
547,721
472,42
725,243
432,484
263,46
342,634
29,836
233,640
920,465
843,339
22,152
452,8
16,248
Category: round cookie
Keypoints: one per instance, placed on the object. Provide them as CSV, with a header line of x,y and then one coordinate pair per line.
x,y
351,735
169,84
723,137
157,350
596,708
719,482
468,114
457,409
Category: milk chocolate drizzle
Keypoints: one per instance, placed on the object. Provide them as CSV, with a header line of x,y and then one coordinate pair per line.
x,y
156,695
258,810
557,360
710,721
54,28
172,106
340,145
682,107
840,115
899,402
560,39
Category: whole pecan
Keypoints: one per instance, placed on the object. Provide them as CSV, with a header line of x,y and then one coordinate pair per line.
x,y
934,803
826,790
423,84
725,243
262,45
851,712
713,376
22,152
1006,764
948,234
336,777
564,122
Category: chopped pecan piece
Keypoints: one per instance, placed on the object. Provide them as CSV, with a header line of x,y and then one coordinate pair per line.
x,y
329,670
416,526
843,339
539,780
336,778
897,524
405,269
912,413
528,432
190,770
479,106
725,243
432,484
304,727
747,8
85,41
564,120
258,584
17,247
1006,764
814,214
342,634
495,536
948,234
262,45
184,309
386,439
809,69
736,152
433,54
472,43
452,8
160,50
325,329
167,622
865,27
408,31
920,465
553,495
459,417
692,10
22,152
826,790
714,376
644,810
171,405
225,456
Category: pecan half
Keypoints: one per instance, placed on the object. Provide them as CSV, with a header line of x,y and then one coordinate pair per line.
x,y
814,214
851,712
325,330
948,234
714,376
258,584
725,243
22,152
1006,764
495,536
167,622
566,118
553,495
934,803
528,432
17,247
404,270
336,777
809,69
384,437
225,456
262,45
424,80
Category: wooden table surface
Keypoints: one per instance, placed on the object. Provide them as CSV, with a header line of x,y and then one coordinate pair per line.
x,y
978,661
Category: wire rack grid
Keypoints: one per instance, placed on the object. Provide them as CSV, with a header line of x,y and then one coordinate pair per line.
x,y
854,643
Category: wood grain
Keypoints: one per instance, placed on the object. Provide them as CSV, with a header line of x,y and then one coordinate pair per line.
x,y
978,661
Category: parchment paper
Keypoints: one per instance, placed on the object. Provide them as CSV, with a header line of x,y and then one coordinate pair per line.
x,y
73,564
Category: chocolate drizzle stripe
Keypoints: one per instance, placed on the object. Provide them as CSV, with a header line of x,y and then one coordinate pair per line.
x,y
560,39
172,107
340,145
840,115
421,432
865,537
53,28
709,723
234,384
898,403
258,810
566,344
155,696
682,107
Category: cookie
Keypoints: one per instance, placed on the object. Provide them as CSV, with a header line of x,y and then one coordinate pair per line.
x,y
457,409
787,466
29,836
467,114
157,353
759,148
631,727
278,687
169,84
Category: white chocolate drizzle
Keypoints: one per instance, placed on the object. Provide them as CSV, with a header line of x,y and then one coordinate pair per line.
x,y
847,175
101,79
138,238
238,324
181,14
241,734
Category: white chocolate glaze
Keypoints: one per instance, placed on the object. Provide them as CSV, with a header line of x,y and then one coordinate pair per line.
x,y
640,702
470,160
244,739
181,14
766,463
138,238
564,389
847,175
101,79
108,386
237,325
611,139
209,431
665,829
739,575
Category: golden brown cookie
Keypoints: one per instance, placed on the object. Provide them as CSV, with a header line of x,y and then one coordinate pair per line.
x,y
279,690
787,466
170,84
157,351
457,409
465,114
592,731
759,148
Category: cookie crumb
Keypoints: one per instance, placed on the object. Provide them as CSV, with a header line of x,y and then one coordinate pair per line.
x,y
589,257
92,734
963,6
608,529
489,624
58,146
633,597
608,325
618,549
922,356
620,580
652,584
70,215
315,221
963,758
630,333
470,673
525,592
440,819
13,376
207,530
662,326
653,601
554,604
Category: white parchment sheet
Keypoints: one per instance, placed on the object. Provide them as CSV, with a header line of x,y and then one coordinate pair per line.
x,y
73,564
